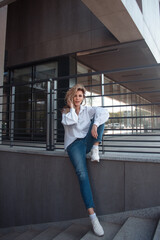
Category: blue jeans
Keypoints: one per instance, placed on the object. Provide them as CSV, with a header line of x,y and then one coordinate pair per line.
x,y
77,154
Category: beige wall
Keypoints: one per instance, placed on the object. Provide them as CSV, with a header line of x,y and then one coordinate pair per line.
x,y
147,22
151,14
3,18
42,29
130,20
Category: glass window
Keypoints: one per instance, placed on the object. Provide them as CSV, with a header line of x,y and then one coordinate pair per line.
x,y
39,94
30,116
22,78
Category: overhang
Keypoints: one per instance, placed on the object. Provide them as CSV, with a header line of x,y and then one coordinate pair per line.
x,y
127,63
113,14
5,2
125,20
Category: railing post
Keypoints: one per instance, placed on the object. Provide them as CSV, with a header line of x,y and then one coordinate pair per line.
x,y
49,111
51,116
54,115
1,112
12,115
102,103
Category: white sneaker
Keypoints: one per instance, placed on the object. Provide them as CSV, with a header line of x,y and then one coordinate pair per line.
x,y
97,228
95,154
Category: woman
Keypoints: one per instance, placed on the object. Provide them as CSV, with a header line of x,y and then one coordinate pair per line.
x,y
84,128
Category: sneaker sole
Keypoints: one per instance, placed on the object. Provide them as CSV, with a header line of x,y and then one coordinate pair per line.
x,y
93,160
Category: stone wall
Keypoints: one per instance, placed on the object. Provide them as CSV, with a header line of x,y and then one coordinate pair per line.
x,y
37,188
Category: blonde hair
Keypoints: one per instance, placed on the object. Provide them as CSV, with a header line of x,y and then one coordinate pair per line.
x,y
71,93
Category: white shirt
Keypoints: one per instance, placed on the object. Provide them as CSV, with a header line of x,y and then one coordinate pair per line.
x,y
77,126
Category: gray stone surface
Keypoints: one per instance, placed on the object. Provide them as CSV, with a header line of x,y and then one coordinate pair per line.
x,y
28,235
157,232
142,187
124,224
112,156
36,189
49,233
10,236
120,218
107,181
110,231
74,232
33,187
136,229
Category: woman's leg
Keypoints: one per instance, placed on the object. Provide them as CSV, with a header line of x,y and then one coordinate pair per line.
x,y
90,140
77,155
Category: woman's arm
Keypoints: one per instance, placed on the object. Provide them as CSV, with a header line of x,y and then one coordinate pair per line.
x,y
99,114
69,118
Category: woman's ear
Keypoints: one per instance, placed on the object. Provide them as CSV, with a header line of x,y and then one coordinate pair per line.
x,y
84,101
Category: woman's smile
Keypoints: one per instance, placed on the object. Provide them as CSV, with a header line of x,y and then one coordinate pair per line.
x,y
78,98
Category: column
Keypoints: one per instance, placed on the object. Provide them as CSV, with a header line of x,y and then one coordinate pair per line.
x,y
3,21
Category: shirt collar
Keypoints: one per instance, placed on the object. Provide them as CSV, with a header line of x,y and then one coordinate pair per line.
x,y
82,108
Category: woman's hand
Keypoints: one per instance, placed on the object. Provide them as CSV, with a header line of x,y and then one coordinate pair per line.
x,y
94,131
70,103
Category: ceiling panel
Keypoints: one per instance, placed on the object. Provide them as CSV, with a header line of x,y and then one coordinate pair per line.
x,y
128,63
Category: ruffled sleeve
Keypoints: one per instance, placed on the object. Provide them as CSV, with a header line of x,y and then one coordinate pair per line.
x,y
69,118
100,115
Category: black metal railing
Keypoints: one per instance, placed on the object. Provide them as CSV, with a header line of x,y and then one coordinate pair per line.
x,y
31,113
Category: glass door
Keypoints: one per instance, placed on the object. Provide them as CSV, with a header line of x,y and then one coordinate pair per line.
x,y
22,78
30,108
42,73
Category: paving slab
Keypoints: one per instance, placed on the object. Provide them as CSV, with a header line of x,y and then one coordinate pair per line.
x,y
10,236
74,232
157,232
137,229
49,233
28,235
110,231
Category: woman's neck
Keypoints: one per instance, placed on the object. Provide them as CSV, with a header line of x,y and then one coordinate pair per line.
x,y
77,109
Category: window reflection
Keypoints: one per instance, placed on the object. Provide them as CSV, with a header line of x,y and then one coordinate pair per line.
x,y
31,100
129,113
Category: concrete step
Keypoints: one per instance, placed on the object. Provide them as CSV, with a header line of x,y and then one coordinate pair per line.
x,y
10,236
136,225
74,232
110,231
49,233
28,235
157,232
137,229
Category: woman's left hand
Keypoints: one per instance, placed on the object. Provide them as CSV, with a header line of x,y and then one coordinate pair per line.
x,y
94,131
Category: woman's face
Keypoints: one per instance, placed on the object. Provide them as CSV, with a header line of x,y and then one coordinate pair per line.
x,y
78,98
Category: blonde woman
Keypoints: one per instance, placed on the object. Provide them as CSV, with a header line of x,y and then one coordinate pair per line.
x,y
84,128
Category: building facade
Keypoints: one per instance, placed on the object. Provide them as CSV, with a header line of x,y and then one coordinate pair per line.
x,y
111,47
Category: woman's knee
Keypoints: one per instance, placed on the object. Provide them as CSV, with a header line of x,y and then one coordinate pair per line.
x,y
82,175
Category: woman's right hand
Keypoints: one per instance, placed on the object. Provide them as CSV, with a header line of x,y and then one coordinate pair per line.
x,y
70,103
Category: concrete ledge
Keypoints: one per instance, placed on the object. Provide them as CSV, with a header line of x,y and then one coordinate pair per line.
x,y
112,156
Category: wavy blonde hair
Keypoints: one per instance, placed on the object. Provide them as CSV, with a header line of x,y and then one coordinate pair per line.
x,y
71,93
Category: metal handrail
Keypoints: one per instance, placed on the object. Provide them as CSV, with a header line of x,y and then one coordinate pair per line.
x,y
50,132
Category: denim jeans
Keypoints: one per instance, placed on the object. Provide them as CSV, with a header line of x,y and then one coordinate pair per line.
x,y
77,154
